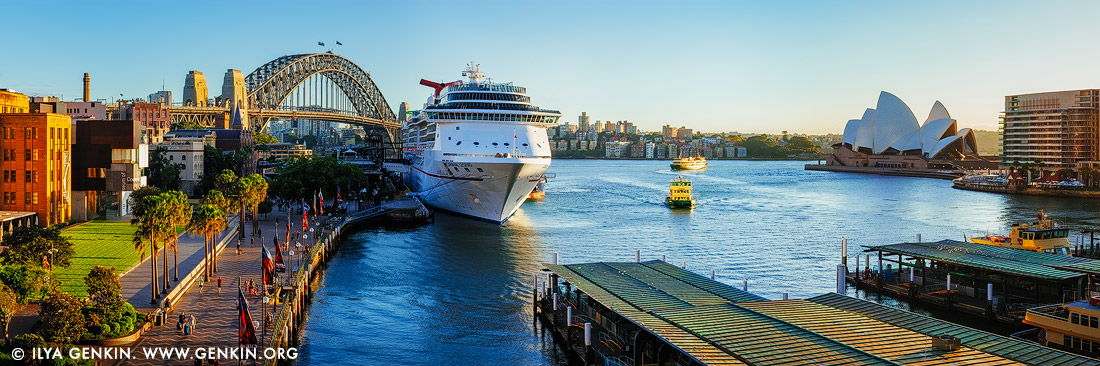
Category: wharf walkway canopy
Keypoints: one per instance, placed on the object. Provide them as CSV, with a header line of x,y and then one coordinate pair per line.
x,y
891,128
657,313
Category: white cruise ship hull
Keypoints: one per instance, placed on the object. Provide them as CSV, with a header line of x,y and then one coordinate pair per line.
x,y
492,190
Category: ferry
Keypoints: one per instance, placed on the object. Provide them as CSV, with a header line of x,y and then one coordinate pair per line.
x,y
478,148
1044,235
679,194
689,163
1072,326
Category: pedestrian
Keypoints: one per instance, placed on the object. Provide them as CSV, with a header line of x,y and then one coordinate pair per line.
x,y
260,232
200,285
238,247
219,285
252,242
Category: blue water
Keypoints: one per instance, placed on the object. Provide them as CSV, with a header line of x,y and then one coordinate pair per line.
x,y
458,291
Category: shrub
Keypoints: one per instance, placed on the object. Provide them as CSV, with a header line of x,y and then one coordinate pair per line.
x,y
126,329
95,329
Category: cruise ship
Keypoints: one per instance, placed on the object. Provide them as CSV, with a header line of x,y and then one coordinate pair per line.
x,y
477,148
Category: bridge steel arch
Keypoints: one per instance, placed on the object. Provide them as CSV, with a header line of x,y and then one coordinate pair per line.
x,y
271,84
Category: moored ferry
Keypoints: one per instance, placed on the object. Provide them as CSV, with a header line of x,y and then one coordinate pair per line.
x,y
1044,235
689,163
679,194
1072,326
477,148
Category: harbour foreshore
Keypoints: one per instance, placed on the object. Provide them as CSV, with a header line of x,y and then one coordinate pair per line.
x,y
920,173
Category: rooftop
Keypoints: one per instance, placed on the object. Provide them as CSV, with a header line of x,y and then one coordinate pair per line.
x,y
718,324
992,258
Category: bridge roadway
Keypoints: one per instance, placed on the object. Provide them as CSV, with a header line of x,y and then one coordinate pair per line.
x,y
205,116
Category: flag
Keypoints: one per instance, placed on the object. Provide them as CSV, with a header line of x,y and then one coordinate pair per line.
x,y
338,194
320,43
321,207
246,331
279,265
268,266
339,44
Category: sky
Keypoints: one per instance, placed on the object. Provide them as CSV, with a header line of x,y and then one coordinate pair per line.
x,y
715,66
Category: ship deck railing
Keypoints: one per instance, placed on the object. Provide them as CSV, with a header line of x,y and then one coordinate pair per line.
x,y
1055,311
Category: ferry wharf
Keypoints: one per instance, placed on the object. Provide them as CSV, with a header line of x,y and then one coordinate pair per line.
x,y
654,313
981,280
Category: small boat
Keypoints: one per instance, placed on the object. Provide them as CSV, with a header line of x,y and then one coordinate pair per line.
x,y
679,194
1044,236
540,190
689,163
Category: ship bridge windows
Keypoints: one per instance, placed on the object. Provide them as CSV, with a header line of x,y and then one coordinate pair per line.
x,y
489,96
494,144
476,143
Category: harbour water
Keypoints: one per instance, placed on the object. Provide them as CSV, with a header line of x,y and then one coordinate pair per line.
x,y
458,291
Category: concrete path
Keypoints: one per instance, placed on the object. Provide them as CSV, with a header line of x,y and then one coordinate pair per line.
x,y
137,287
215,312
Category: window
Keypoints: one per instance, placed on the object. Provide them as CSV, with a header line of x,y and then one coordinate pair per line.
x,y
1094,322
36,154
171,157
27,198
27,176
27,154
34,198
183,157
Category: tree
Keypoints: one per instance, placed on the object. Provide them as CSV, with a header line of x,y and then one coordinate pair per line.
x,y
28,282
28,245
152,233
162,172
207,220
179,215
253,191
137,201
9,305
104,293
263,138
216,161
266,207
303,177
62,321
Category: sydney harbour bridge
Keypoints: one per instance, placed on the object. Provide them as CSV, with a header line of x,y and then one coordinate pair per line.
x,y
305,87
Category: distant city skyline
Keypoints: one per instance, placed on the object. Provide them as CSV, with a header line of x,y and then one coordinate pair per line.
x,y
714,66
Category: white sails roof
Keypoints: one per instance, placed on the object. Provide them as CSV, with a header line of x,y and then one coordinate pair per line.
x,y
891,126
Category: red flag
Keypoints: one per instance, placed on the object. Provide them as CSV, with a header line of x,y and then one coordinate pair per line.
x,y
246,331
268,266
279,265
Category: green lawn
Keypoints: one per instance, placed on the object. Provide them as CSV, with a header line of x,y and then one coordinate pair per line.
x,y
108,244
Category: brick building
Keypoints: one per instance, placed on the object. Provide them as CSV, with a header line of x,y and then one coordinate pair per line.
x,y
153,116
36,151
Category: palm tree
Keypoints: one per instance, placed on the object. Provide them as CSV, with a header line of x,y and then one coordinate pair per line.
x,y
179,215
207,220
151,231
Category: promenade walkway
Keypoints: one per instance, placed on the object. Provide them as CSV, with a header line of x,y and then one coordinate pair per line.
x,y
137,287
215,312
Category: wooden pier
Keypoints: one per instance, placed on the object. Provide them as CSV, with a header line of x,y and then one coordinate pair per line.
x,y
655,313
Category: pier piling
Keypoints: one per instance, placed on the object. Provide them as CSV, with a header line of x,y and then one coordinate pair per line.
x,y
844,251
786,296
745,285
637,256
555,261
712,274
840,284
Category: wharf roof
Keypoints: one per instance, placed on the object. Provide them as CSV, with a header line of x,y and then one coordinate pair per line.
x,y
1091,267
992,258
721,325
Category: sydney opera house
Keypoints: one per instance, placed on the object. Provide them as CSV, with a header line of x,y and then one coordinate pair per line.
x,y
889,136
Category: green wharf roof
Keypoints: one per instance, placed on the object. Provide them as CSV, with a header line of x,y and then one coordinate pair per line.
x,y
1092,267
721,325
991,258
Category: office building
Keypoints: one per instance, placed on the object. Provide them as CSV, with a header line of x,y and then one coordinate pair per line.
x,y
12,102
582,121
1058,129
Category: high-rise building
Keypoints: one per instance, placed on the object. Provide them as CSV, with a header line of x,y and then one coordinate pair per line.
x,y
194,90
668,132
234,93
1058,129
609,127
403,112
582,121
36,149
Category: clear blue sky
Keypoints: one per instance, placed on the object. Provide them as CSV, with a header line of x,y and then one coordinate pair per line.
x,y
712,65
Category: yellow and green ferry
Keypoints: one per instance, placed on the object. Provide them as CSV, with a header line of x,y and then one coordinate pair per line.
x,y
679,194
